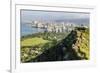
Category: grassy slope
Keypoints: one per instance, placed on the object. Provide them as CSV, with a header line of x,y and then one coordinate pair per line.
x,y
34,45
83,50
33,41
78,41
75,45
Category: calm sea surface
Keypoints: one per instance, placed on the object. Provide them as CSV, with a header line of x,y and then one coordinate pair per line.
x,y
27,30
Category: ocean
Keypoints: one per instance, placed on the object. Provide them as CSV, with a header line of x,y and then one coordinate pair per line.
x,y
26,29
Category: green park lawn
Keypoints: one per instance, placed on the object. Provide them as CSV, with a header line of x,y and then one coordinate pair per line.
x,y
33,41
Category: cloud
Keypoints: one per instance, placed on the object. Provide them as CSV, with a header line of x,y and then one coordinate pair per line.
x,y
29,15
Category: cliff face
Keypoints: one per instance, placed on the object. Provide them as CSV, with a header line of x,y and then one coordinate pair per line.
x,y
73,47
77,44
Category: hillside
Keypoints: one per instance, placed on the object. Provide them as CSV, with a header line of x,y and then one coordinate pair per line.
x,y
35,44
75,46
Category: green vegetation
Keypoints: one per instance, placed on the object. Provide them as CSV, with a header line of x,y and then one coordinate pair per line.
x,y
49,46
33,41
36,44
78,41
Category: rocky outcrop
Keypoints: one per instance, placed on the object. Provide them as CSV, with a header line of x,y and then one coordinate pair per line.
x,y
78,42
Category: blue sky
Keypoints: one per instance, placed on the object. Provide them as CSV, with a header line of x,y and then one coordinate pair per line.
x,y
29,15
